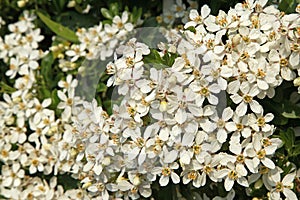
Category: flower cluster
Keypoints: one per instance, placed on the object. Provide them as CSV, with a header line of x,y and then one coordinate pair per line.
x,y
188,127
96,42
177,11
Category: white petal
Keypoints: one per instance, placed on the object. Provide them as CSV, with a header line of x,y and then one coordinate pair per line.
x,y
124,185
227,114
236,98
187,139
256,107
205,11
185,158
241,109
268,163
142,157
164,180
290,195
263,85
88,166
221,135
228,184
213,99
288,179
180,116
170,156
97,169
175,178
243,181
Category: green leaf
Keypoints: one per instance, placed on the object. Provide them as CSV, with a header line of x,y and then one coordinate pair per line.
x,y
101,87
59,4
296,150
290,110
59,29
106,13
291,115
46,68
288,137
191,28
4,88
153,57
136,14
288,6
114,8
169,58
55,99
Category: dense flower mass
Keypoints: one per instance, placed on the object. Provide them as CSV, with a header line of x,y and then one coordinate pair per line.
x,y
193,115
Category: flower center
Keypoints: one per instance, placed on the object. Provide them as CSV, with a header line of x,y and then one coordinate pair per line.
x,y
197,149
207,169
261,154
261,121
192,175
239,126
240,158
283,62
279,187
233,175
263,170
247,98
166,171
260,73
204,91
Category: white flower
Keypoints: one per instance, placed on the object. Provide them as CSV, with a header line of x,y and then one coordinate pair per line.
x,y
196,18
204,91
29,59
13,175
166,172
15,63
283,186
248,92
178,8
221,124
121,22
68,83
258,150
279,61
233,173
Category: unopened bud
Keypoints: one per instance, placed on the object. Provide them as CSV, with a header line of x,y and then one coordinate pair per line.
x,y
21,3
258,184
236,39
297,82
71,4
136,180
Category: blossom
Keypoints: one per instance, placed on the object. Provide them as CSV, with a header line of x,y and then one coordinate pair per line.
x,y
166,172
248,92
283,186
233,173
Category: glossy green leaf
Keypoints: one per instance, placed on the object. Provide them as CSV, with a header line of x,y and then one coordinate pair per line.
x,y
59,29
288,6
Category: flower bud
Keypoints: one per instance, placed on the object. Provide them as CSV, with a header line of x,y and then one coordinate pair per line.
x,y
297,81
258,184
21,3
136,180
